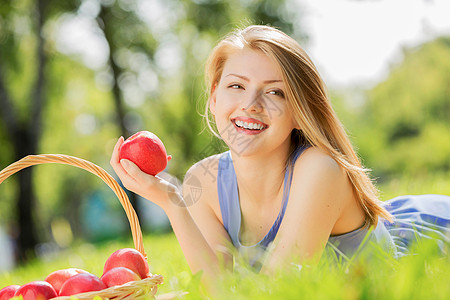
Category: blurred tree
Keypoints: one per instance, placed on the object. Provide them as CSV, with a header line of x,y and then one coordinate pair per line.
x,y
406,119
124,32
22,108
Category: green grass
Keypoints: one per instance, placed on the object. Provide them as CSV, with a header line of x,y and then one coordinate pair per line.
x,y
427,183
421,276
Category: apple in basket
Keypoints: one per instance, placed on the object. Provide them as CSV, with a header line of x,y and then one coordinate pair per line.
x,y
129,258
81,283
34,290
8,292
57,278
146,150
119,276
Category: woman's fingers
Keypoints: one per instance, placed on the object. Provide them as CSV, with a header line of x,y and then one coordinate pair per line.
x,y
115,154
139,180
127,180
132,169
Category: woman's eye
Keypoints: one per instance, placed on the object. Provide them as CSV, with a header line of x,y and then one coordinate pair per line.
x,y
277,93
235,86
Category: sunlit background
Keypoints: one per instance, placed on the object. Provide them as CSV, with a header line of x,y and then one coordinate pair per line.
x,y
356,42
104,68
352,42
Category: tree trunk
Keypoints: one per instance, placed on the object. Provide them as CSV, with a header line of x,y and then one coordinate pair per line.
x,y
25,135
104,19
25,206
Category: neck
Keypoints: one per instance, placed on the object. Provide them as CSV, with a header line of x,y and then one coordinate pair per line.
x,y
260,177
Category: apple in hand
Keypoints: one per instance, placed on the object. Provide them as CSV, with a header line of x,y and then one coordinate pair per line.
x,y
147,151
57,278
8,292
119,276
81,283
129,258
36,290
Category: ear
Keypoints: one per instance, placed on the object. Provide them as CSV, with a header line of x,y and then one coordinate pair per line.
x,y
212,100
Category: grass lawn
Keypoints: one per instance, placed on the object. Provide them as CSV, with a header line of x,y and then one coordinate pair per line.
x,y
421,276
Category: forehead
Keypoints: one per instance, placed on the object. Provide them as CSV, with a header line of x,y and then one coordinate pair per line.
x,y
252,64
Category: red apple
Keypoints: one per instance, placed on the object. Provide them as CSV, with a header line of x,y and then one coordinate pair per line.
x,y
57,278
129,258
81,283
119,276
8,292
36,290
146,150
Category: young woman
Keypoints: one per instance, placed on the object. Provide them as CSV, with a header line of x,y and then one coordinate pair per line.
x,y
290,186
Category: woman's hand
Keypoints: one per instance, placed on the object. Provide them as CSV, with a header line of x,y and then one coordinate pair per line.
x,y
153,188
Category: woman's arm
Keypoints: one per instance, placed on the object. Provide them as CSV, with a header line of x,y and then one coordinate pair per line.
x,y
320,193
199,189
196,238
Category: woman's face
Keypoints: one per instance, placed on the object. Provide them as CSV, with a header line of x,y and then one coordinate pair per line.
x,y
249,105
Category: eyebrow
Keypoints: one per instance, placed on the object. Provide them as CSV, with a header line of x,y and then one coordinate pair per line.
x,y
247,79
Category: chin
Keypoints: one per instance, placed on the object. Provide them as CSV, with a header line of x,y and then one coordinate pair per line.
x,y
244,150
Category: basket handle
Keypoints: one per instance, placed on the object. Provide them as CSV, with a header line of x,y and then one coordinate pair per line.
x,y
32,160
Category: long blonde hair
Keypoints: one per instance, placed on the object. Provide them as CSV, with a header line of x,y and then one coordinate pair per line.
x,y
307,98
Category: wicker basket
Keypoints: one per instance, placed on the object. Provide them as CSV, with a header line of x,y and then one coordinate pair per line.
x,y
131,290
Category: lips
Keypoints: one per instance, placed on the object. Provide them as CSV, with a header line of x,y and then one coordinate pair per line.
x,y
249,125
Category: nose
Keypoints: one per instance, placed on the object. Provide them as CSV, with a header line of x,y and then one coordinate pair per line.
x,y
253,103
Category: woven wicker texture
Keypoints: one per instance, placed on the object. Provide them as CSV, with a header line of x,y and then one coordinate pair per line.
x,y
132,290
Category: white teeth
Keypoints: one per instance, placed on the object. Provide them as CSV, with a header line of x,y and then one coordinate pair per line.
x,y
246,125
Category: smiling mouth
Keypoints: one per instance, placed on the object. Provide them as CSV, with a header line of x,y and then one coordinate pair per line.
x,y
250,125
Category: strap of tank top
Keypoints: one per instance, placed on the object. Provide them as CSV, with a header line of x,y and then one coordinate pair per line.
x,y
286,190
226,187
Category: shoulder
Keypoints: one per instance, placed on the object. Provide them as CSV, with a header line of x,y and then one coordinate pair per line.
x,y
316,175
315,161
205,170
200,183
320,183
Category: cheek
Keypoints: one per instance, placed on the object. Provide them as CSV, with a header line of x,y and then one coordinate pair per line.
x,y
221,111
279,113
277,110
224,105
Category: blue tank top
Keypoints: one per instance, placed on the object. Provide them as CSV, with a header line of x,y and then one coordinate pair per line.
x,y
342,246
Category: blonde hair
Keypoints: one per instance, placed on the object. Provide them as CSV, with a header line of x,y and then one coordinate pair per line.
x,y
308,101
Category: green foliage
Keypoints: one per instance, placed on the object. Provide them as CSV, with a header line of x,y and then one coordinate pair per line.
x,y
418,184
405,122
